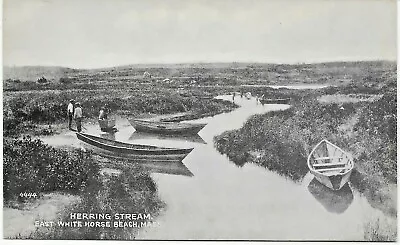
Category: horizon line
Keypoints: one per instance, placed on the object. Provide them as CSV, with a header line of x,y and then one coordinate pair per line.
x,y
208,62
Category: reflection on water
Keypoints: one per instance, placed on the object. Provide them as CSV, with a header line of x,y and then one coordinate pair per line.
x,y
300,86
333,201
174,168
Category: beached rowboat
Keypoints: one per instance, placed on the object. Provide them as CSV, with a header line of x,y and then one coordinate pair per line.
x,y
119,149
274,101
166,127
330,165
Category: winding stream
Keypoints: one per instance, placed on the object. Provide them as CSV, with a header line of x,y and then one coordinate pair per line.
x,y
219,200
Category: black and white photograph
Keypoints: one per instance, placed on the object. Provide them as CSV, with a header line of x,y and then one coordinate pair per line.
x,y
211,120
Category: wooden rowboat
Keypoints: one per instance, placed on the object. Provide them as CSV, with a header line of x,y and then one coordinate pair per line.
x,y
330,165
166,127
274,101
139,152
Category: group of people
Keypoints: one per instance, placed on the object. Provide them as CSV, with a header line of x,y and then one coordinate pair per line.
x,y
74,111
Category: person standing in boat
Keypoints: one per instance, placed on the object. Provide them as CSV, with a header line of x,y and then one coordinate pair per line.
x,y
261,98
70,113
78,116
103,113
103,118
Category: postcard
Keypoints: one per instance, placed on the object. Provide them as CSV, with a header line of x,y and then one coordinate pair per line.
x,y
212,120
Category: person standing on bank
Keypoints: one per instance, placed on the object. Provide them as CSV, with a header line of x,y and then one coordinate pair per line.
x,y
70,113
78,117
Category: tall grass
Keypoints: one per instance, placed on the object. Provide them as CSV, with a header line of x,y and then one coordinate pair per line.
x,y
34,167
378,230
50,106
283,140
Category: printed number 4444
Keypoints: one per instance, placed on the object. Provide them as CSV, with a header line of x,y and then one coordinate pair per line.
x,y
28,195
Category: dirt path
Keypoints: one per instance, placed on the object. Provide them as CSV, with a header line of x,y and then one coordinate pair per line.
x,y
19,221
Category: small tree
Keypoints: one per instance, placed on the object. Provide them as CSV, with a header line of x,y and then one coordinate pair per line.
x,y
42,80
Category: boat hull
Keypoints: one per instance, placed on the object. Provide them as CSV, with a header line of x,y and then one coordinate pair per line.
x,y
274,101
166,127
334,182
122,152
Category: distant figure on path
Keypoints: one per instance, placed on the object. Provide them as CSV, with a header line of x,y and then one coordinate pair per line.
x,y
70,113
78,117
233,96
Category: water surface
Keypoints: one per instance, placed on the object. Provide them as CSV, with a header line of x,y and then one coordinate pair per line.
x,y
212,198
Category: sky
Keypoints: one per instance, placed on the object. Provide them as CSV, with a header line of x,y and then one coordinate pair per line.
x,y
105,33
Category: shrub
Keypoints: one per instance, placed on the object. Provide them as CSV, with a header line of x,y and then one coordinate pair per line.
x,y
32,166
380,118
271,135
295,131
42,80
133,191
50,106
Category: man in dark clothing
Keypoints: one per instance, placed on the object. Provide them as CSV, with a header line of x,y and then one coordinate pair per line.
x,y
78,117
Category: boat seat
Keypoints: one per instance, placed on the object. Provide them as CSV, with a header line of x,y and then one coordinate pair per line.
x,y
331,169
329,164
326,158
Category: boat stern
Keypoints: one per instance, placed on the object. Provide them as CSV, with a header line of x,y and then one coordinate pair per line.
x,y
334,182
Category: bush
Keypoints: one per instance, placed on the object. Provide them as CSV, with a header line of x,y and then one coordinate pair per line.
x,y
42,80
133,191
380,118
49,107
32,166
294,132
271,135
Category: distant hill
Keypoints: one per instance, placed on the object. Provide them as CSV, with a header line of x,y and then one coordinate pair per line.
x,y
32,73
263,70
